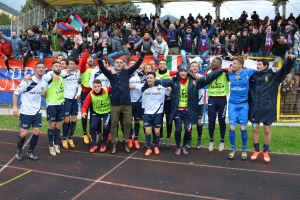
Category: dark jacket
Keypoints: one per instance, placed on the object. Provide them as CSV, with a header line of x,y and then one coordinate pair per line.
x,y
24,46
32,42
44,45
67,45
244,43
263,93
280,49
193,87
173,43
120,83
255,41
125,34
183,35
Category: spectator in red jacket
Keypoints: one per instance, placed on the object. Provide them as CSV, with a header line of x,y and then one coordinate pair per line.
x,y
6,52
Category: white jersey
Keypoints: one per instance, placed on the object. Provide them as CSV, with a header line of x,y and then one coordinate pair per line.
x,y
135,94
153,99
71,84
31,95
97,74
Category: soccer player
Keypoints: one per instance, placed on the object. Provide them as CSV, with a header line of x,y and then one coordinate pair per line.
x,y
120,101
71,77
184,103
55,106
30,112
85,67
217,104
262,101
100,101
238,103
194,72
153,99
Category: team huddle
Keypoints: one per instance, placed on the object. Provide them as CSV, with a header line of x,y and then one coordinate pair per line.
x,y
129,94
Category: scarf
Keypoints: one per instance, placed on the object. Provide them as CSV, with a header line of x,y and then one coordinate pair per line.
x,y
289,38
188,40
133,39
268,43
171,36
233,47
203,43
218,51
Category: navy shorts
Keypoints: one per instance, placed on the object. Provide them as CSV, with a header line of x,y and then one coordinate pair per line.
x,y
200,111
136,110
153,120
26,121
55,113
71,107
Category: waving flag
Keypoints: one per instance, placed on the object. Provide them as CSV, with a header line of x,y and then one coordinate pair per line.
x,y
76,22
66,29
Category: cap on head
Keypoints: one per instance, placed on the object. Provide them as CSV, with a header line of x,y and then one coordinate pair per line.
x,y
182,68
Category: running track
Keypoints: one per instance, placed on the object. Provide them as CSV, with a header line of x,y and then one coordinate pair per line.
x,y
77,174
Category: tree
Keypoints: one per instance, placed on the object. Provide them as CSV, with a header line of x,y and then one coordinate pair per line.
x,y
126,9
4,19
84,11
29,4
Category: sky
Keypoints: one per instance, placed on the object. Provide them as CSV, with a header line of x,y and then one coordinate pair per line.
x,y
228,9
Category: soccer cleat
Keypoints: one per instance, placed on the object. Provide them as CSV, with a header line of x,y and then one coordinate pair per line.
x,y
32,156
189,144
114,148
244,155
198,145
211,146
126,147
160,142
65,144
178,152
254,155
130,143
19,155
71,142
266,157
102,149
168,143
156,150
86,139
93,149
56,147
52,151
90,137
184,151
136,144
231,154
221,147
148,152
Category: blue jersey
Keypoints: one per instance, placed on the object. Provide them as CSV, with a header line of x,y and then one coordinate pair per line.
x,y
239,85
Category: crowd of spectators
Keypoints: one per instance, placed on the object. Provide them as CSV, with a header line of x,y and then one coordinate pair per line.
x,y
192,35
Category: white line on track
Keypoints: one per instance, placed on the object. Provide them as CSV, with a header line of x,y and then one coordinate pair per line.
x,y
2,168
179,163
103,176
117,184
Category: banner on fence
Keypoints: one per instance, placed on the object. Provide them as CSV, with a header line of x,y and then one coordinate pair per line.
x,y
10,81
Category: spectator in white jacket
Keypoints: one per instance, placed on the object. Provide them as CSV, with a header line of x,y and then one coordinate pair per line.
x,y
296,50
160,47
